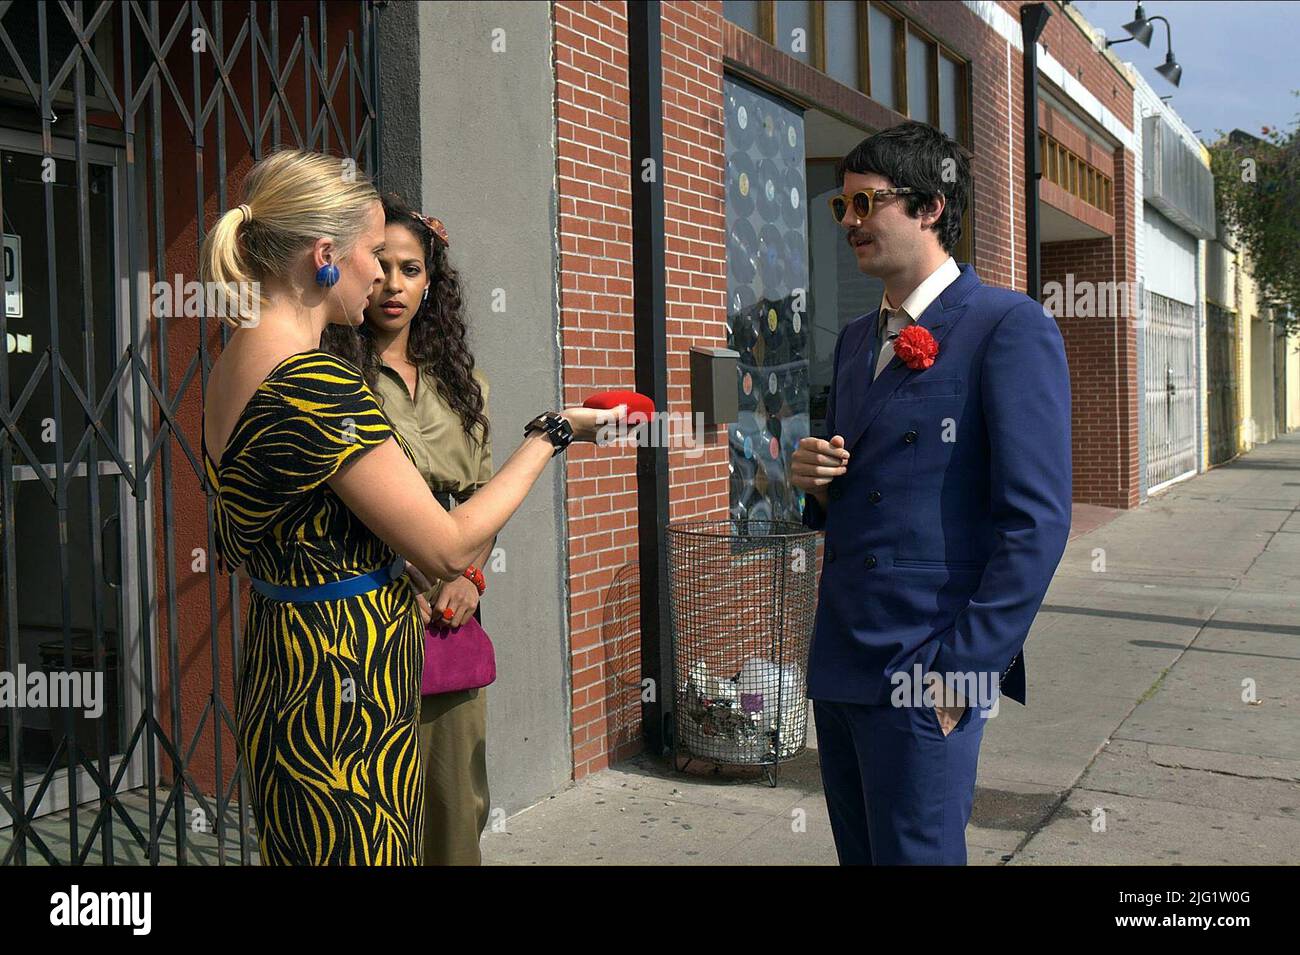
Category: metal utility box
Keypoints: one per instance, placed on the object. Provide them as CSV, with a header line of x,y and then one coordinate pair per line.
x,y
713,384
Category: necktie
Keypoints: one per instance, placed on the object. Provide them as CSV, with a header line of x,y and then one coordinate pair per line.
x,y
895,320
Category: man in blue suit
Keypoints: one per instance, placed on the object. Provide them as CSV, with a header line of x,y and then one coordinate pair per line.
x,y
944,493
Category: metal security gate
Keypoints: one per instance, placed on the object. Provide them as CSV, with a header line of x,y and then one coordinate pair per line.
x,y
1221,382
1170,390
122,129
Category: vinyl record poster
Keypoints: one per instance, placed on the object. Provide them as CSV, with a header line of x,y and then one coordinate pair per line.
x,y
767,281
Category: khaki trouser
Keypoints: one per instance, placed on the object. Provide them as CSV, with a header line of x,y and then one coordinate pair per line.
x,y
453,747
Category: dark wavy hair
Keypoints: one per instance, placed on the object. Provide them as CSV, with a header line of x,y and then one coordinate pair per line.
x,y
917,156
436,343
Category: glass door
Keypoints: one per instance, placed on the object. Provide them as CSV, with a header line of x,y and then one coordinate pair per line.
x,y
67,667
767,299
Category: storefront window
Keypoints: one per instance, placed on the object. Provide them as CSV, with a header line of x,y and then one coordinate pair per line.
x,y
881,33
842,41
950,95
794,28
871,48
920,67
743,13
767,299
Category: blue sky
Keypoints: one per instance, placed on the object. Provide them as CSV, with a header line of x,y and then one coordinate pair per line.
x,y
1240,58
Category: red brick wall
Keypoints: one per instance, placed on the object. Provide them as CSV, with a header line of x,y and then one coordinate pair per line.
x,y
594,193
997,114
1102,352
695,239
595,237
1073,49
595,222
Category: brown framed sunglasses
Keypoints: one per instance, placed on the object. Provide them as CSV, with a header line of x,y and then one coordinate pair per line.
x,y
862,201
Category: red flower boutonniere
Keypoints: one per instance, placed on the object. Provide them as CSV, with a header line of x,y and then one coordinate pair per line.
x,y
916,346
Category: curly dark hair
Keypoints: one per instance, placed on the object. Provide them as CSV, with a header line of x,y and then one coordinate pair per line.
x,y
436,343
918,156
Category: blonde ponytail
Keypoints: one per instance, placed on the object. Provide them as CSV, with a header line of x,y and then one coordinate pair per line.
x,y
293,198
222,265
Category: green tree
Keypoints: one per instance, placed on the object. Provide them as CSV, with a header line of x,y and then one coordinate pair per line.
x,y
1257,192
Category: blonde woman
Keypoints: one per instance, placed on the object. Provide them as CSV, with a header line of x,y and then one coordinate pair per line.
x,y
316,496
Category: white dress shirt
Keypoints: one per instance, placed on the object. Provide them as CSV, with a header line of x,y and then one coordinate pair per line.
x,y
894,320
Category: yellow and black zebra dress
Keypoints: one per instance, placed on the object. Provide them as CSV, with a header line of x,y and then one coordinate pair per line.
x,y
328,695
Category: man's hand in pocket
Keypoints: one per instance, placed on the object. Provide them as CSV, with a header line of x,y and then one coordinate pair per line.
x,y
948,717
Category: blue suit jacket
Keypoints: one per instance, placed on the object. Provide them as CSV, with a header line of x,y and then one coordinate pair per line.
x,y
943,535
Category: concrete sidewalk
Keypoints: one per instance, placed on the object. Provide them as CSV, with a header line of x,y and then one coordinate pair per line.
x,y
1141,743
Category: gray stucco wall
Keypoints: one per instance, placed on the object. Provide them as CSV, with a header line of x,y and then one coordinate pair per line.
x,y
468,133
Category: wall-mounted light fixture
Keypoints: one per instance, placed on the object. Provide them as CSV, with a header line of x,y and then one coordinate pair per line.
x,y
1140,28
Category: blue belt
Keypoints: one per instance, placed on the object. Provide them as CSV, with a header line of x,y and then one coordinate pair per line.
x,y
335,589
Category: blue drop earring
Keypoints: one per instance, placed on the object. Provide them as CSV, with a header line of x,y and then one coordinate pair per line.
x,y
327,275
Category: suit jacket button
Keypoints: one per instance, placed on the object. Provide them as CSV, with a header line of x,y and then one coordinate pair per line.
x,y
830,555
870,561
874,497
910,437
836,492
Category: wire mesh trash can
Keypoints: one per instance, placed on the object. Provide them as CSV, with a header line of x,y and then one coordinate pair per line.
x,y
742,597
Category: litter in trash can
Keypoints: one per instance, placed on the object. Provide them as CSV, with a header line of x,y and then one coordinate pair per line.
x,y
734,720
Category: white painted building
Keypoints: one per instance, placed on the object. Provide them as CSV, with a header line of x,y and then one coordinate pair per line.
x,y
1175,215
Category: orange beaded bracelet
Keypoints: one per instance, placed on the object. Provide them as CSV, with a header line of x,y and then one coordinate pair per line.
x,y
475,577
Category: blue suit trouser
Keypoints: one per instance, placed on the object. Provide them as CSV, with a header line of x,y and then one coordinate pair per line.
x,y
898,791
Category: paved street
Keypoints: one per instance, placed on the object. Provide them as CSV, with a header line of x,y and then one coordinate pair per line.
x,y
1136,747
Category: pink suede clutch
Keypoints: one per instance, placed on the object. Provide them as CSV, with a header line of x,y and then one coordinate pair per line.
x,y
457,658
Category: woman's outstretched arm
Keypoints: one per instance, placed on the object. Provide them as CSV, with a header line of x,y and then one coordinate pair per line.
x,y
385,490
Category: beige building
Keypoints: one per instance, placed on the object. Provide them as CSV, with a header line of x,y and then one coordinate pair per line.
x,y
1253,370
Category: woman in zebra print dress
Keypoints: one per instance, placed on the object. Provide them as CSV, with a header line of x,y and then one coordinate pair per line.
x,y
317,499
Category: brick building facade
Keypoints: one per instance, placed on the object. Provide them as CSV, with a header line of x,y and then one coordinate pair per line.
x,y
1086,236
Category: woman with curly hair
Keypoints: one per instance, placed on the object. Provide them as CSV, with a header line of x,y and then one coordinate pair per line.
x,y
412,350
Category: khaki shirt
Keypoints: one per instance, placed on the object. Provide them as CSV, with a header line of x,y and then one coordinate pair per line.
x,y
447,458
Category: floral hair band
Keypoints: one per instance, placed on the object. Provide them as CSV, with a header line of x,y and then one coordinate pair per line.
x,y
434,225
